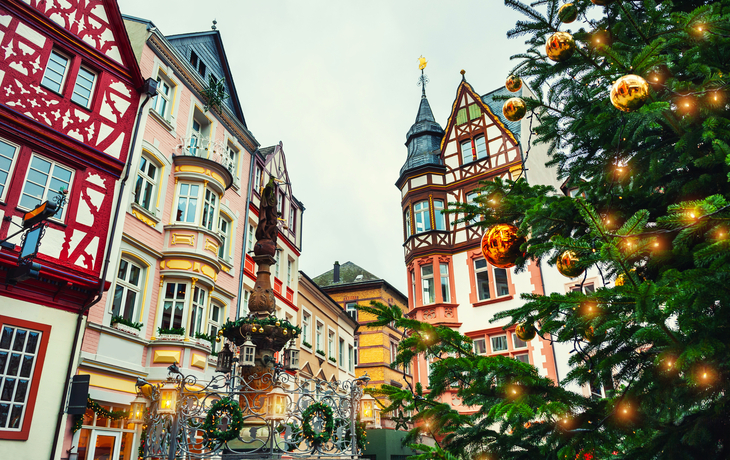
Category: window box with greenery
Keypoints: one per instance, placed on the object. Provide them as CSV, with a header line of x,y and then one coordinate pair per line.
x,y
175,334
334,361
204,340
307,345
321,353
125,325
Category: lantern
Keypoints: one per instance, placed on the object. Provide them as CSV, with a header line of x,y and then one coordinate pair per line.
x,y
225,357
291,357
376,409
168,398
136,412
277,404
367,405
248,352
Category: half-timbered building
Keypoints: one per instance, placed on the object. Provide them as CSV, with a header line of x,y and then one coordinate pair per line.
x,y
70,94
449,281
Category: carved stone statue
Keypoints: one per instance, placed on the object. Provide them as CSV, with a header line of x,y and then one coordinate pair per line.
x,y
266,232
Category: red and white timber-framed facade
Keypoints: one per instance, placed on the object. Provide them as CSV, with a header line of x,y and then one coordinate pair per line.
x,y
449,281
271,162
70,93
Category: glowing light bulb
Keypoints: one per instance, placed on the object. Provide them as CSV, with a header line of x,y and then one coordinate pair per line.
x,y
704,375
715,96
625,411
692,215
656,245
656,78
686,104
514,391
608,221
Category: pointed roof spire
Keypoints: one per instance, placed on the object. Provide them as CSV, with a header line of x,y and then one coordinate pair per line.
x,y
424,138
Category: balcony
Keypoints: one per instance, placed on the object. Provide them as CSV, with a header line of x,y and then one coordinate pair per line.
x,y
203,159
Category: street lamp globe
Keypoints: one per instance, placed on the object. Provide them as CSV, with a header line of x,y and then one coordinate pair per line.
x,y
136,412
168,398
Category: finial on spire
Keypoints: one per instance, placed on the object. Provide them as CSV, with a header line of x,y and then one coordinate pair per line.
x,y
463,72
423,79
214,23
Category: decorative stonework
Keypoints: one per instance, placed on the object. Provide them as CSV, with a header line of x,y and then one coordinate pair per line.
x,y
449,312
183,238
166,356
193,266
143,218
211,245
429,314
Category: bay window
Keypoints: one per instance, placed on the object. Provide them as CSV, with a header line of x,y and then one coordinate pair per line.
x,y
187,202
428,284
130,278
423,218
209,209
438,214
197,312
173,305
407,219
444,271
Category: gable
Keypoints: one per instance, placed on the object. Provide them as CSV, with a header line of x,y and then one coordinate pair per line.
x,y
469,106
96,22
206,48
275,165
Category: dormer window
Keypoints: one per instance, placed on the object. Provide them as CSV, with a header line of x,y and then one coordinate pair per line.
x,y
197,63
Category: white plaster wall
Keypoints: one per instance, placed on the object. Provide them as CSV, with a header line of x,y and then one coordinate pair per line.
x,y
50,391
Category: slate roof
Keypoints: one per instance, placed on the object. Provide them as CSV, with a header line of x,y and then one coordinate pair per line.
x,y
496,106
266,151
208,46
423,139
348,272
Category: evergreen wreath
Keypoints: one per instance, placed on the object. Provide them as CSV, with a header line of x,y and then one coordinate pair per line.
x,y
323,411
211,420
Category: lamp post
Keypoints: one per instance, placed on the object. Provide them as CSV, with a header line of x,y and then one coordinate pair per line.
x,y
136,412
367,409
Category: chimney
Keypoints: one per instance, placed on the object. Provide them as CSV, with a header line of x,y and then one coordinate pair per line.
x,y
336,275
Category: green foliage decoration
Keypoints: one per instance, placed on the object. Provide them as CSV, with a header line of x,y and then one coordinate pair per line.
x,y
230,326
118,319
214,93
98,410
171,331
235,424
325,412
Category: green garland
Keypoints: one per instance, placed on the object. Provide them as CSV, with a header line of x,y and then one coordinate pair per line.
x,y
211,421
98,410
229,325
323,411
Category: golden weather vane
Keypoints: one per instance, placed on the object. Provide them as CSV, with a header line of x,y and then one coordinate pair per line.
x,y
423,79
422,63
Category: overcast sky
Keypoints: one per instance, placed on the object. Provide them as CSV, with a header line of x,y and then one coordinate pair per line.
x,y
335,81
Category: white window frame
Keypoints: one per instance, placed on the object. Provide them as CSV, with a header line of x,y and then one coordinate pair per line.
x,y
147,182
445,282
483,342
225,236
319,337
246,296
351,310
428,285
289,266
467,156
126,286
477,271
209,216
198,306
471,199
331,342
421,210
514,343
23,374
438,214
341,352
498,336
77,85
173,304
199,138
407,219
306,329
496,286
350,359
47,186
215,325
232,159
63,75
481,154
167,106
196,213
11,169
526,354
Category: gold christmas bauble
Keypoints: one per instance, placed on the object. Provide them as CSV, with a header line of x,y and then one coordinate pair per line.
x,y
620,280
501,245
588,333
278,323
568,13
602,2
629,93
218,339
514,109
568,264
525,331
560,46
284,332
220,332
513,83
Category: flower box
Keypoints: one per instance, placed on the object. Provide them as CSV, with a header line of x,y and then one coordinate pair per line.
x,y
124,328
171,337
204,343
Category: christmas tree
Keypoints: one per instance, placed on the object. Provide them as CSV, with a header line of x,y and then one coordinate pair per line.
x,y
631,96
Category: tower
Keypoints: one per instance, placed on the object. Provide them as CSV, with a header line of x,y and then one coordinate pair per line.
x,y
449,281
